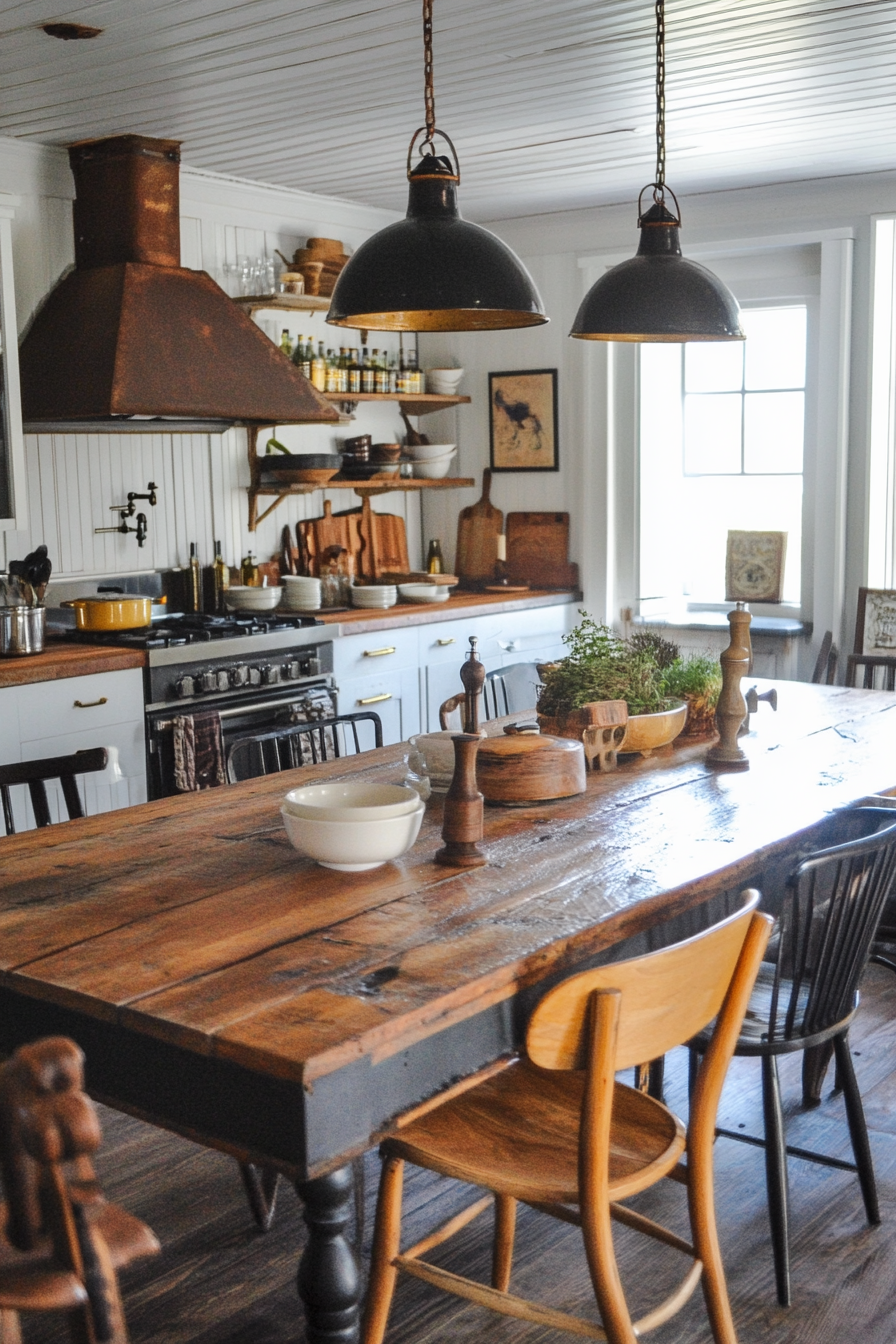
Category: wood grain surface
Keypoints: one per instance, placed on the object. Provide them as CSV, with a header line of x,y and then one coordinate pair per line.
x,y
60,659
192,922
459,605
478,527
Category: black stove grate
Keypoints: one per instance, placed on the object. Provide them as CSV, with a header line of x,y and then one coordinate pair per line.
x,y
194,628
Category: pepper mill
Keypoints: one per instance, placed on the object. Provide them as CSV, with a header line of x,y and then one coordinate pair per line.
x,y
472,674
732,708
463,816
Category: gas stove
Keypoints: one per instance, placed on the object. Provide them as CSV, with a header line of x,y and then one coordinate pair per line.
x,y
185,628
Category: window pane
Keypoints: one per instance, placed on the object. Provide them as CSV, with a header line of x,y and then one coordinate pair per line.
x,y
773,431
711,505
712,433
713,366
775,347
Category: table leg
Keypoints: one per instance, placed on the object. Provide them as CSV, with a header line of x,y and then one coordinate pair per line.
x,y
329,1281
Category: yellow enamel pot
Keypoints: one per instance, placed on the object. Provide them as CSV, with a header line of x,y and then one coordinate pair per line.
x,y
111,613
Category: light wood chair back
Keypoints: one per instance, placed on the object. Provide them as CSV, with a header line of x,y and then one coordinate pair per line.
x,y
666,998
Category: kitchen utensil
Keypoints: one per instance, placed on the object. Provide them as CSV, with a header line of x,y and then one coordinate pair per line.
x,y
388,542
375,596
538,550
240,598
462,824
22,630
358,447
351,801
527,767
413,437
298,468
385,452
418,576
300,593
423,592
425,452
478,528
111,613
444,382
287,560
354,846
435,469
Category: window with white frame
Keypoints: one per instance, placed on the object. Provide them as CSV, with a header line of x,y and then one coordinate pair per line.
x,y
721,448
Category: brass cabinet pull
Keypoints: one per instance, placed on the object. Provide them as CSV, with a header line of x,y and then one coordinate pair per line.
x,y
378,653
91,704
375,699
443,642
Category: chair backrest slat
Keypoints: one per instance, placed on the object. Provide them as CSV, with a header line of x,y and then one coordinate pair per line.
x,y
34,774
285,748
667,997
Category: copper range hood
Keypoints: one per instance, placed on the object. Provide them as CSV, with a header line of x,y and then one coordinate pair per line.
x,y
130,332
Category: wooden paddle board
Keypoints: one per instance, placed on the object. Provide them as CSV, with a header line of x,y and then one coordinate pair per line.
x,y
538,550
478,528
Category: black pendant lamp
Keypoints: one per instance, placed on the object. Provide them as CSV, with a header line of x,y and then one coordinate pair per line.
x,y
659,295
434,271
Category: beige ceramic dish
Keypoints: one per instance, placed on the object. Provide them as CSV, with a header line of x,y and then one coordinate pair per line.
x,y
646,732
354,846
351,801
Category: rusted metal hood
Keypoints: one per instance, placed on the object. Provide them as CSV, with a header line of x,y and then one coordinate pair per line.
x,y
130,332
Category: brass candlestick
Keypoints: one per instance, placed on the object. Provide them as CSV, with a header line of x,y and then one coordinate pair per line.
x,y
472,674
732,708
464,809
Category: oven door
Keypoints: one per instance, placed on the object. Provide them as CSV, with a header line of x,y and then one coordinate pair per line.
x,y
311,702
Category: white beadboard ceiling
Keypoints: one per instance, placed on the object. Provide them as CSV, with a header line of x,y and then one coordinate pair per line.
x,y
549,104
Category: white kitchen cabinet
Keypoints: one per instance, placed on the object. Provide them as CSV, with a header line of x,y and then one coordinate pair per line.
x,y
393,693
57,718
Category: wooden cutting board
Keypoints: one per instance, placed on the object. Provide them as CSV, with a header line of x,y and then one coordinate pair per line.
x,y
384,543
478,528
538,550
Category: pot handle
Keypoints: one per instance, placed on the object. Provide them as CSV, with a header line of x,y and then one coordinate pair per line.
x,y
76,602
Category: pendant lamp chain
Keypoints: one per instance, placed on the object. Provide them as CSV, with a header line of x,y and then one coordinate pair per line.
x,y
429,97
660,181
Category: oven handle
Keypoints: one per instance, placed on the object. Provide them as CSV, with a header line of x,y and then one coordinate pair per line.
x,y
162,725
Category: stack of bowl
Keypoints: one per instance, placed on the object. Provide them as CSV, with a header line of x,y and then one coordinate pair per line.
x,y
375,596
385,456
353,826
301,593
444,382
239,598
431,460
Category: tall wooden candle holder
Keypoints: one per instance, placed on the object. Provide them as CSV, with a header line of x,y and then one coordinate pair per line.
x,y
464,808
732,708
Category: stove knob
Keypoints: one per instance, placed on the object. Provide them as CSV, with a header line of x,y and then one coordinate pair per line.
x,y
208,680
239,676
184,687
254,676
223,678
270,674
292,670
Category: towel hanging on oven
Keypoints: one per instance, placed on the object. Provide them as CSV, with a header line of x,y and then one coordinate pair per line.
x,y
198,752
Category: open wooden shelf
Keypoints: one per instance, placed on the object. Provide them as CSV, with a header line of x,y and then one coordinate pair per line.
x,y
287,303
415,403
383,486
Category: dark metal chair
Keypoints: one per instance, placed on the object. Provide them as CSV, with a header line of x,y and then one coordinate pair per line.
x,y
806,998
300,744
507,690
35,775
878,671
825,670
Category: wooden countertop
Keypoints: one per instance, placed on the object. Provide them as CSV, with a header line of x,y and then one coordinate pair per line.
x,y
458,607
60,659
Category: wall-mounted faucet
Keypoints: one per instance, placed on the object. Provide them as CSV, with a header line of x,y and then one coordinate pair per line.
x,y
126,511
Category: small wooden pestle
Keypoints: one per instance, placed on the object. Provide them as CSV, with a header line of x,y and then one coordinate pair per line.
x,y
464,805
472,674
732,708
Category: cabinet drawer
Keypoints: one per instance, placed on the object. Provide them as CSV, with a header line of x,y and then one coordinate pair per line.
x,y
53,709
394,696
373,653
9,725
449,641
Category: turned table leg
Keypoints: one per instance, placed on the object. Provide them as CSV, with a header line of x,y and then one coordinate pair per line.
x,y
329,1282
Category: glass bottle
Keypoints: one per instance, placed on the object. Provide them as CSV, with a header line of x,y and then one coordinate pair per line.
x,y
249,575
319,369
286,343
368,372
332,374
195,590
220,579
381,373
434,562
354,372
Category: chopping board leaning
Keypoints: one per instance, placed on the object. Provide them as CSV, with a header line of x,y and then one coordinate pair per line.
x,y
478,528
538,550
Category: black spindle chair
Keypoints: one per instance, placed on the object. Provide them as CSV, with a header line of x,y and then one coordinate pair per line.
x,y
300,744
35,775
806,998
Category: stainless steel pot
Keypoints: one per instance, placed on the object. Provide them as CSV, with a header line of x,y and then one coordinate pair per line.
x,y
22,630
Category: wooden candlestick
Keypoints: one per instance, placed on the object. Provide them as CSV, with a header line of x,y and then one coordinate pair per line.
x,y
464,811
732,708
472,674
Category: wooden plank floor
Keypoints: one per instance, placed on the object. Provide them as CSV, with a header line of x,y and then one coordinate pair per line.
x,y
220,1282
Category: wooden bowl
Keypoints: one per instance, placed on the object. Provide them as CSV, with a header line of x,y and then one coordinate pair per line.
x,y
522,768
646,732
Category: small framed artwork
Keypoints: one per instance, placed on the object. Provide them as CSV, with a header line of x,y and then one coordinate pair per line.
x,y
876,621
754,566
523,420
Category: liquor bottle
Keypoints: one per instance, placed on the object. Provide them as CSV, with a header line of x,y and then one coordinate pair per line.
x,y
434,562
381,372
286,343
332,375
249,575
221,579
195,589
368,372
319,369
354,372
393,375
413,376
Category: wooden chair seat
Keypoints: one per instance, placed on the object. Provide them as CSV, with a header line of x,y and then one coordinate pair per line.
x,y
518,1134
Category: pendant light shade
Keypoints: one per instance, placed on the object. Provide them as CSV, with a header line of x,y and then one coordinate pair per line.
x,y
433,270
659,295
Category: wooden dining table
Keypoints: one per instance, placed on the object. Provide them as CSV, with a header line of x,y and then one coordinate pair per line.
x,y
225,987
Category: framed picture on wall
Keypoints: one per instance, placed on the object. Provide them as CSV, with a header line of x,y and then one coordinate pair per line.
x,y
754,566
523,420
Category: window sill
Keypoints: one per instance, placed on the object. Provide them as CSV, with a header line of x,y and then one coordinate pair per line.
x,y
783,627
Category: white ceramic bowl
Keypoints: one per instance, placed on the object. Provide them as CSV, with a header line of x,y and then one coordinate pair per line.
x,y
424,452
424,592
354,846
351,801
239,598
444,381
433,470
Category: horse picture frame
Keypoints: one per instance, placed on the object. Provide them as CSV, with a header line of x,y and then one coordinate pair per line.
x,y
523,421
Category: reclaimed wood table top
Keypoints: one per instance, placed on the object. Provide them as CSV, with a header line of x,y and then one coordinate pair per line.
x,y
191,950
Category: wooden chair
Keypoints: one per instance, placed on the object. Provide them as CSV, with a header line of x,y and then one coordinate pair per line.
x,y
62,1243
289,748
556,1132
805,1000
507,690
825,670
878,671
36,773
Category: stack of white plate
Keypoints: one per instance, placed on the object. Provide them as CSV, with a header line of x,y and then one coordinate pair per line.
x,y
376,596
424,592
300,593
